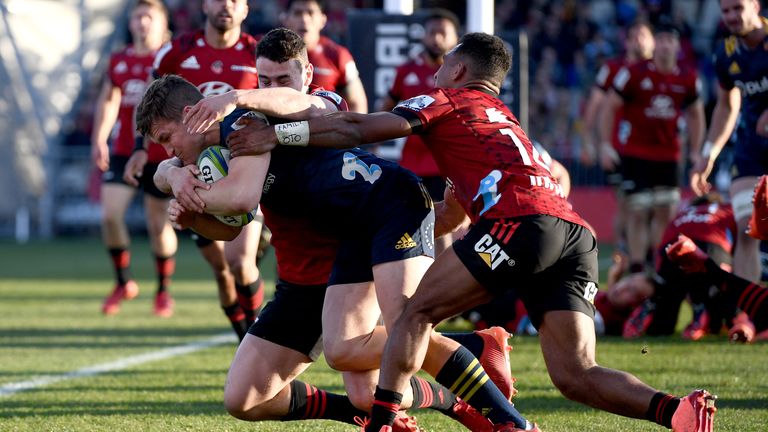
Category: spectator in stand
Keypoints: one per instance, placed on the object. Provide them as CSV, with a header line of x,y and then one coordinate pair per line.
x,y
335,69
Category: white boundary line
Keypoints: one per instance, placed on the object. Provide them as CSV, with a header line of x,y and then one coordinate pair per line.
x,y
46,380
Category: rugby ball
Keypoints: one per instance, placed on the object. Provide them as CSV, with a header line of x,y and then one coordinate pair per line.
x,y
214,165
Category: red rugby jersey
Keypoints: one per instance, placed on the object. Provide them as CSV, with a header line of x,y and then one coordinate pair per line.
x,y
710,223
130,73
214,71
333,65
414,78
479,144
653,104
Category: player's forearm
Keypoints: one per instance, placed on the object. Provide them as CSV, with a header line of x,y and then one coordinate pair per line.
x,y
210,228
283,102
723,121
696,126
448,218
608,116
104,118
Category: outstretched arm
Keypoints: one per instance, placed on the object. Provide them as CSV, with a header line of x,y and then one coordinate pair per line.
x,y
336,130
723,120
283,102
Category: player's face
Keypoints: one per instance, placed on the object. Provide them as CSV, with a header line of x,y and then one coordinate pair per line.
x,y
640,42
176,141
148,26
307,19
445,76
225,15
667,46
630,291
287,74
740,16
439,36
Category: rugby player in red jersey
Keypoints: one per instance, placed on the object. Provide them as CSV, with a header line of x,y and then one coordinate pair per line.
x,y
524,236
285,339
121,92
414,78
335,69
217,59
653,96
638,46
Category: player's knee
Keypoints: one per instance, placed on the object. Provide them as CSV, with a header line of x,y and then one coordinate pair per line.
x,y
241,406
340,355
572,382
361,398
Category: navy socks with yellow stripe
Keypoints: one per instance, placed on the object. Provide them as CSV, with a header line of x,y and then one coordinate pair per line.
x,y
463,375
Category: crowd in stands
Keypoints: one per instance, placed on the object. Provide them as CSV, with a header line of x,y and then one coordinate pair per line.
x,y
568,42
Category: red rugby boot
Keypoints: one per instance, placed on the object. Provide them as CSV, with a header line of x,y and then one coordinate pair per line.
x,y
495,359
695,413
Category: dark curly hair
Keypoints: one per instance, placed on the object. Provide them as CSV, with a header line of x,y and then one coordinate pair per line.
x,y
488,56
281,45
165,99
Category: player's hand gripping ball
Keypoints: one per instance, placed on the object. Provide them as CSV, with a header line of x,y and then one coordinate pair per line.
x,y
214,165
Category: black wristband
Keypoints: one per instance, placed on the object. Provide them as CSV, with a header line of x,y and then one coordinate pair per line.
x,y
138,144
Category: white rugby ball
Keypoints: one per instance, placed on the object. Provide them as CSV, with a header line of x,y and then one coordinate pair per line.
x,y
214,165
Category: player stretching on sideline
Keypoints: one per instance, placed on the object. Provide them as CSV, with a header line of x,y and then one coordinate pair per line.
x,y
352,340
524,237
126,82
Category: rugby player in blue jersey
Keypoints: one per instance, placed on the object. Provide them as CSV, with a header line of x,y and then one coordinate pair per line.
x,y
376,210
741,65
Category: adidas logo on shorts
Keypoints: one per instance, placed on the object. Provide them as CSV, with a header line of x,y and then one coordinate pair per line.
x,y
405,242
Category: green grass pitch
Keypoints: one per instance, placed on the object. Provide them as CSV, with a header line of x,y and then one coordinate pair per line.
x,y
50,325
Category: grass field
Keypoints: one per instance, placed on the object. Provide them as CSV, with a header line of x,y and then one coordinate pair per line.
x,y
51,331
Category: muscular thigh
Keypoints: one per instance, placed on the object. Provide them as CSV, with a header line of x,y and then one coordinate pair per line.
x,y
349,311
293,318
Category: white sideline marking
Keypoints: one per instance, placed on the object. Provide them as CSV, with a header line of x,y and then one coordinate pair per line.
x,y
46,380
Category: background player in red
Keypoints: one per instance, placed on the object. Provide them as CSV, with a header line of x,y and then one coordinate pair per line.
x,y
653,95
524,237
414,78
121,92
638,46
335,69
217,59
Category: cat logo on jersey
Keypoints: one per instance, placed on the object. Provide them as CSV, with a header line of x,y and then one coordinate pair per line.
x,y
734,69
491,253
417,103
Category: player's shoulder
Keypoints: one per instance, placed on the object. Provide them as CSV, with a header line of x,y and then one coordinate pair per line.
x,y
331,96
187,41
726,48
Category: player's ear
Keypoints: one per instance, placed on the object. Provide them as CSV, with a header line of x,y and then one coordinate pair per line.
x,y
309,72
186,109
459,71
